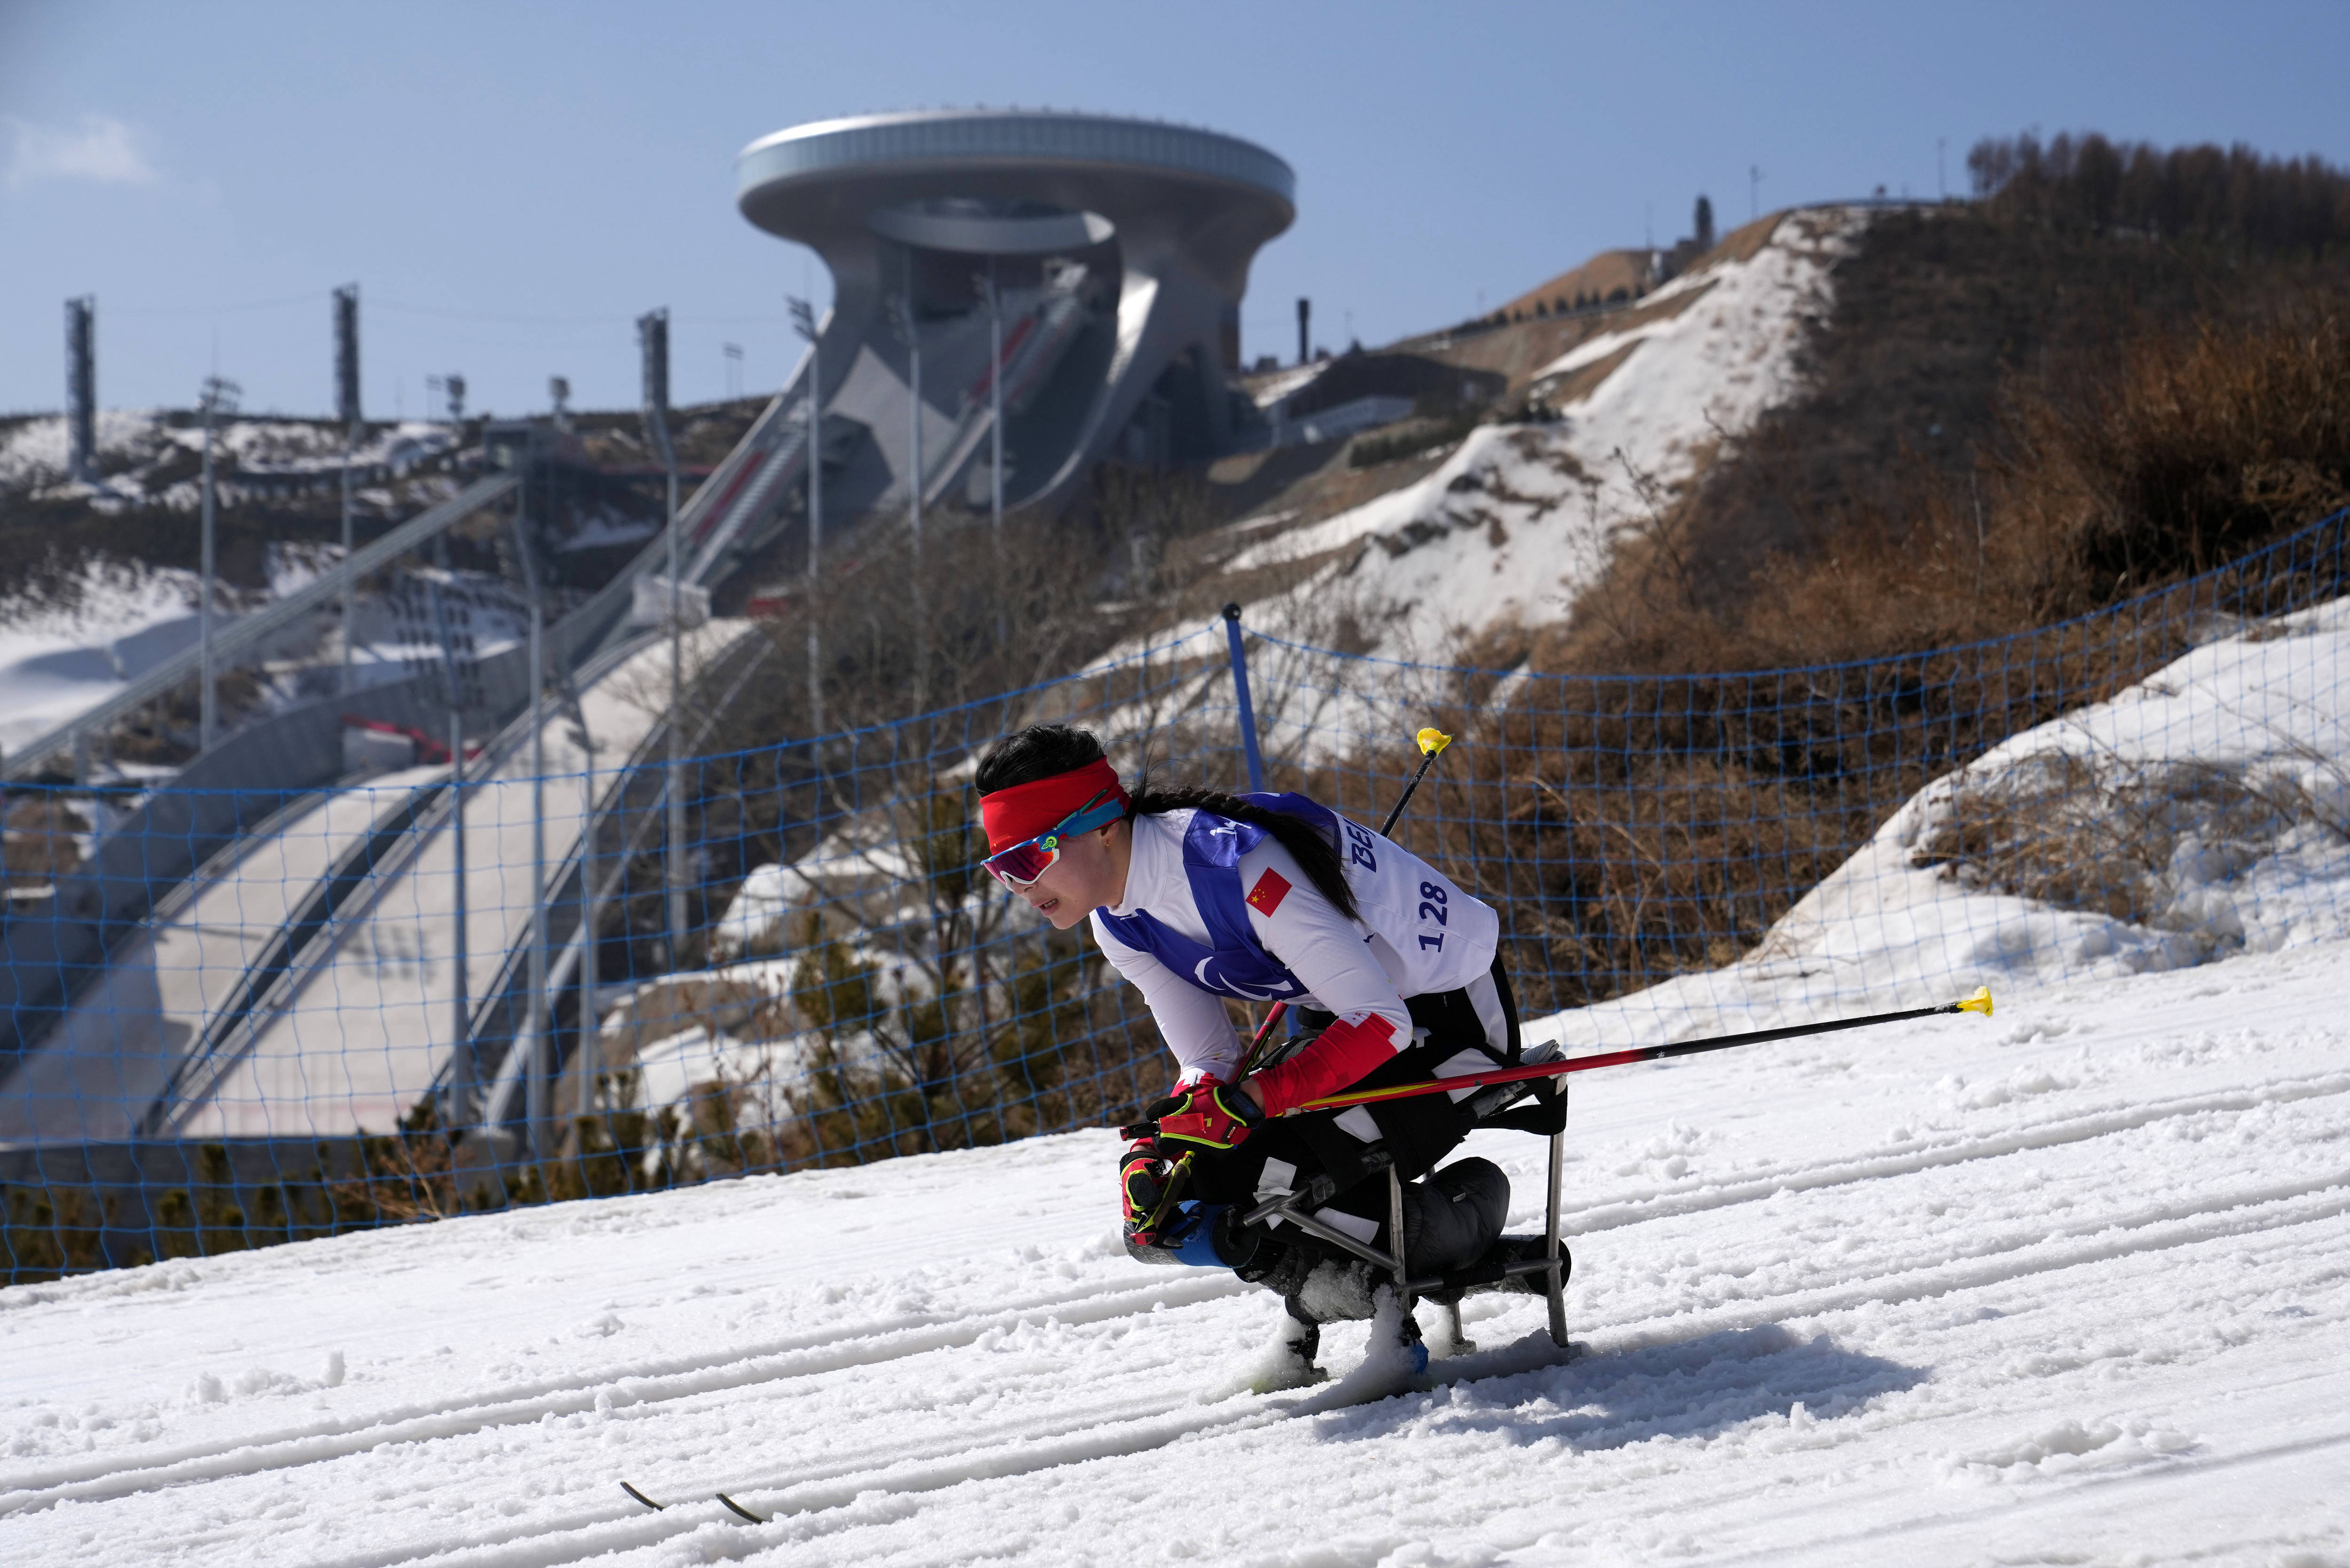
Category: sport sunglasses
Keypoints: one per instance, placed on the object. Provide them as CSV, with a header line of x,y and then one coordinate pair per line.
x,y
1020,865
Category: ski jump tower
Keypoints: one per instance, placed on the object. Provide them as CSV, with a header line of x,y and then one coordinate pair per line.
x,y
1115,252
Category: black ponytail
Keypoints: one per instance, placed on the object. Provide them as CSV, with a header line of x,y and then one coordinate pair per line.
x,y
1315,855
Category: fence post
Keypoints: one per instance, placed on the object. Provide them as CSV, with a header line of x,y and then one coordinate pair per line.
x,y
1248,709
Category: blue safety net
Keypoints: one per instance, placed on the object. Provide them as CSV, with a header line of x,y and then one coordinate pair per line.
x,y
577,968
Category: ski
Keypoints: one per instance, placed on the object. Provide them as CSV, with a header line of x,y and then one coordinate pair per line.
x,y
731,1506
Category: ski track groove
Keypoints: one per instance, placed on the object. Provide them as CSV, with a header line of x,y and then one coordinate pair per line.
x,y
796,1509
2158,1227
2175,1471
1112,1435
2076,1127
2165,1228
97,1480
543,1542
1145,1429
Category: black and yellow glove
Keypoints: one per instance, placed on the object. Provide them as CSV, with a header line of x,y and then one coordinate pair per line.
x,y
1143,1175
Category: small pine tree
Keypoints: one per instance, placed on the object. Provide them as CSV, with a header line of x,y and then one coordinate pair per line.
x,y
1704,224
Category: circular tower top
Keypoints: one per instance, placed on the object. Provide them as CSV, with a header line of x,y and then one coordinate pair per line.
x,y
960,140
1008,181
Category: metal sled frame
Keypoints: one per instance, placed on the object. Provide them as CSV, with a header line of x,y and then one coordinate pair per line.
x,y
1294,1208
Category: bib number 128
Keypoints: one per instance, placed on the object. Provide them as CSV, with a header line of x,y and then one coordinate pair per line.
x,y
1431,908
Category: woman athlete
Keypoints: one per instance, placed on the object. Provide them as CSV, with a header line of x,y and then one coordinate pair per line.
x,y
1199,896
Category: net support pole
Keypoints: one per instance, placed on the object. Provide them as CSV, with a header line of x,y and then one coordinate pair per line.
x,y
539,1057
460,1114
587,1053
1554,1278
207,698
1240,693
673,862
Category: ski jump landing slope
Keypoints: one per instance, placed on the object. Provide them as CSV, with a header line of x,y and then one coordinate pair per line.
x,y
170,990
2067,1285
365,1027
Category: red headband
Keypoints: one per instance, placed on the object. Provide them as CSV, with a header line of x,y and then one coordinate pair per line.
x,y
1016,814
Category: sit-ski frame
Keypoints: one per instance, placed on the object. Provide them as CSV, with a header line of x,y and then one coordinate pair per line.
x,y
1294,1208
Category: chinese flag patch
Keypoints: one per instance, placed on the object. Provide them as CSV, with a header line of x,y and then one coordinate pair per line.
x,y
1270,890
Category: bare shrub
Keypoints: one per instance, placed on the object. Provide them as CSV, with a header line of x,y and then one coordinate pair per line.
x,y
2105,835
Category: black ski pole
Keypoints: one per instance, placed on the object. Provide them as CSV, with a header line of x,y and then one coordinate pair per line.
x,y
1432,743
1978,1002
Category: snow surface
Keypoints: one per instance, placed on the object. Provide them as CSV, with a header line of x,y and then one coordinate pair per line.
x,y
36,451
57,661
119,619
1520,518
60,657
134,442
2259,706
2062,1285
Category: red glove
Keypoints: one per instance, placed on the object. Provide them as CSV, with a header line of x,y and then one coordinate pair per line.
x,y
1205,1116
1348,1051
1143,1176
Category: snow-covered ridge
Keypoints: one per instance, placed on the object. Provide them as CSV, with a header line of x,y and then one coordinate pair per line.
x,y
144,454
2206,809
116,620
1521,518
2202,815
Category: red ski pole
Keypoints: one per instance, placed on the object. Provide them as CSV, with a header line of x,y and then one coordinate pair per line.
x,y
1978,1002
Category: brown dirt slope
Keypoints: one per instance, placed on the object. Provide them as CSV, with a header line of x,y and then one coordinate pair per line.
x,y
2001,416
1594,279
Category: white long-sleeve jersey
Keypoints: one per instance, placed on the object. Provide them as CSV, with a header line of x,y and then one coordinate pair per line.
x,y
1418,932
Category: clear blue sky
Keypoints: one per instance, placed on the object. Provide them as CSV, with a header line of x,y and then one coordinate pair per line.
x,y
511,184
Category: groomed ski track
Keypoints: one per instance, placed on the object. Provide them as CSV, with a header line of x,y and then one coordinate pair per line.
x,y
2065,1285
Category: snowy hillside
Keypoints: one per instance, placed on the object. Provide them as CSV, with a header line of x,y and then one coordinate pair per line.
x,y
91,621
2212,799
1520,517
57,661
147,456
119,620
2064,1285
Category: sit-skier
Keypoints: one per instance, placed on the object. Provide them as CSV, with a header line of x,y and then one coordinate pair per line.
x,y
1198,896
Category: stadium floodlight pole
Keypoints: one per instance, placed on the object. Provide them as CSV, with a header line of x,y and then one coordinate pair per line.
x,y
652,333
1432,743
344,685
218,396
1979,1002
910,331
804,323
996,439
